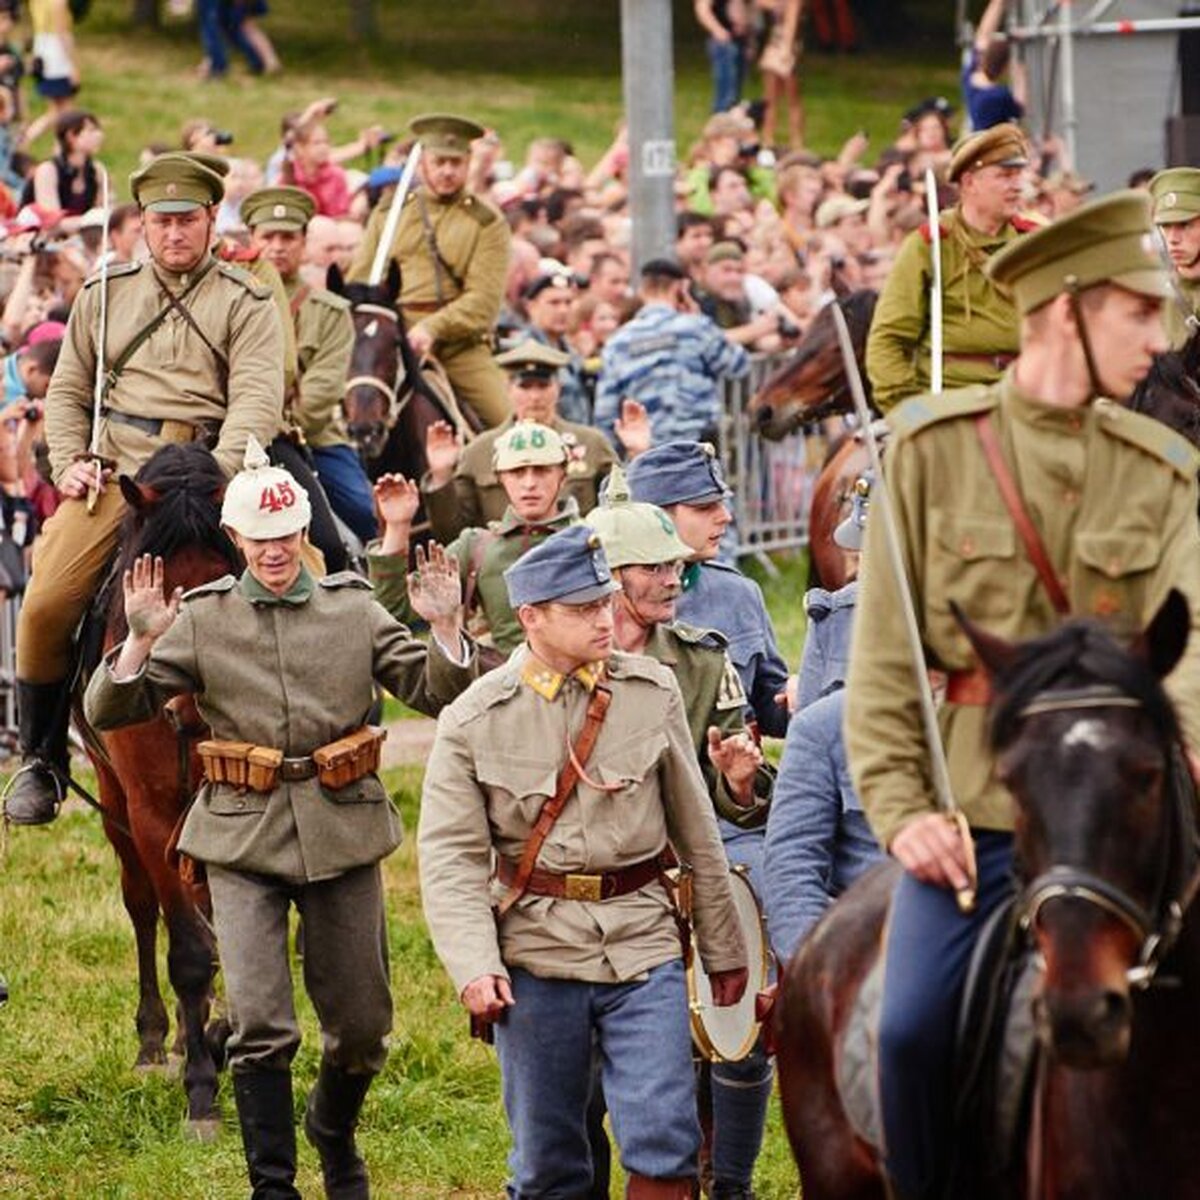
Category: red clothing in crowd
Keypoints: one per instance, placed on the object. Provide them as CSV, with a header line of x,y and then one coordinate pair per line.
x,y
327,186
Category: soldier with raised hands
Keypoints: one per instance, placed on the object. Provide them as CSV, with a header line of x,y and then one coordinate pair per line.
x,y
291,810
192,351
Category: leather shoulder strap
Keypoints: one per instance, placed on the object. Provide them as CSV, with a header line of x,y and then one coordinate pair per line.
x,y
568,777
1011,496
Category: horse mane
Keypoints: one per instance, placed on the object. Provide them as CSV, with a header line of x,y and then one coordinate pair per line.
x,y
186,484
1170,393
1080,653
859,309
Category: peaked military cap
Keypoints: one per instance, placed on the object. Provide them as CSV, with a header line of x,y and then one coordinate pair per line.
x,y
179,182
1107,241
563,281
1004,144
568,567
528,444
726,251
444,133
677,473
532,359
278,209
1176,195
634,532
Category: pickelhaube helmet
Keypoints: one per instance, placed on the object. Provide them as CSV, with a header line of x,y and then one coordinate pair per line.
x,y
528,444
634,533
262,501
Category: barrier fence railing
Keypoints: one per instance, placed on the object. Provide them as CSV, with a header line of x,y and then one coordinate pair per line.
x,y
772,482
10,606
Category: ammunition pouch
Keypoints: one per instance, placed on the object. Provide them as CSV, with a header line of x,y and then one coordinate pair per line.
x,y
262,768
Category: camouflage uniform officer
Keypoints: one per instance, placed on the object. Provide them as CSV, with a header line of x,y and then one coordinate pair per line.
x,y
277,218
245,648
193,352
1112,495
472,494
647,556
530,460
564,968
1176,194
452,248
979,323
685,479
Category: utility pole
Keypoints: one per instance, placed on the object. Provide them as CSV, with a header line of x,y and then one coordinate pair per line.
x,y
648,69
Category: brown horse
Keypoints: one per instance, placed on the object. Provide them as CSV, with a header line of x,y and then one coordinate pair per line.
x,y
1105,849
391,399
1171,391
146,774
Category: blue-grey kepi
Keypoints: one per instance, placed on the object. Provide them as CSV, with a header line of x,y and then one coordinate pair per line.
x,y
568,567
677,473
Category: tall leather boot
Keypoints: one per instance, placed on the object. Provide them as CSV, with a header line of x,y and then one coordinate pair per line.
x,y
642,1187
43,710
330,1118
264,1104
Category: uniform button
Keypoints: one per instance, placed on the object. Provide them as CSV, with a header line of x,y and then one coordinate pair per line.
x,y
1070,496
1075,424
1114,566
968,545
241,804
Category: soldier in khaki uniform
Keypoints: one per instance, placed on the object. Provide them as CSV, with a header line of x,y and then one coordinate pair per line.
x,y
299,833
461,488
530,461
585,952
193,351
1112,495
648,556
979,323
1176,194
452,248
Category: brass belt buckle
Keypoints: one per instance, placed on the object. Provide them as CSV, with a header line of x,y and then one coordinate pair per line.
x,y
583,887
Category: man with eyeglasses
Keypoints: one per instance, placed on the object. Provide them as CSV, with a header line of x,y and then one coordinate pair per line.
x,y
566,772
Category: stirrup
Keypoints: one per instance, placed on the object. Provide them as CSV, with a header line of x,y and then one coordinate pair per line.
x,y
47,768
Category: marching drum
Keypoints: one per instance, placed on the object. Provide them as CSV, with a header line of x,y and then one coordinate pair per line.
x,y
729,1034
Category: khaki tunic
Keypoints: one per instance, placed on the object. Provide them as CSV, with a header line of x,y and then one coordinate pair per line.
x,y
295,674
1113,495
173,375
324,342
475,495
498,753
979,323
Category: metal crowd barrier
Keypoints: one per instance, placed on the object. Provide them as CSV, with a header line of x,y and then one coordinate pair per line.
x,y
9,608
772,482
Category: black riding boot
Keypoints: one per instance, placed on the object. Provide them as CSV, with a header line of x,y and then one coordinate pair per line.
x,y
264,1105
330,1118
42,715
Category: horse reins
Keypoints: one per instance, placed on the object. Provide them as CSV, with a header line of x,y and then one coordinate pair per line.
x,y
395,405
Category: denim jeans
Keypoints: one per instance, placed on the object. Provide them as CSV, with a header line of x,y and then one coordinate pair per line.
x,y
218,21
545,1045
728,61
348,489
929,945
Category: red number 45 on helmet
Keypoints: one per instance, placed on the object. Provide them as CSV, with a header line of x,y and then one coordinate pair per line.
x,y
277,497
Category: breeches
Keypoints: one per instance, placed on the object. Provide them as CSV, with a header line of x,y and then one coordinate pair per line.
x,y
345,966
478,382
68,561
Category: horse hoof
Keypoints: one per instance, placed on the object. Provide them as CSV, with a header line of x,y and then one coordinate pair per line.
x,y
151,1068
174,1067
202,1129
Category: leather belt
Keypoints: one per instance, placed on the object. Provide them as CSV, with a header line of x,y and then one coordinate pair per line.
x,y
422,306
606,885
969,687
296,770
171,431
1000,362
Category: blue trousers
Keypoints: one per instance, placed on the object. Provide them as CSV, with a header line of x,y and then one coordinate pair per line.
x,y
218,21
545,1044
728,61
929,944
348,488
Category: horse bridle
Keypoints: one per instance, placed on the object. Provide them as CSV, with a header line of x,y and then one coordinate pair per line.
x,y
1156,929
395,406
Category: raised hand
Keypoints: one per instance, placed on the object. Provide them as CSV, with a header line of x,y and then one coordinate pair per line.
x,y
633,428
148,612
435,591
443,448
737,758
397,499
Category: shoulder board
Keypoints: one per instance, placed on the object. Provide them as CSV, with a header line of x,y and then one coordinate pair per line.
x,y
341,579
226,583
918,412
239,275
1149,435
1026,224
926,232
115,272
710,639
330,299
639,666
479,210
497,686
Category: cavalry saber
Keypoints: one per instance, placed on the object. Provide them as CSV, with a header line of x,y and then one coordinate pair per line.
x,y
98,386
935,286
383,250
881,502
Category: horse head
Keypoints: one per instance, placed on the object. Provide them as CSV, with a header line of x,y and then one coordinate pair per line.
x,y
174,514
812,383
369,402
1170,392
1086,741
